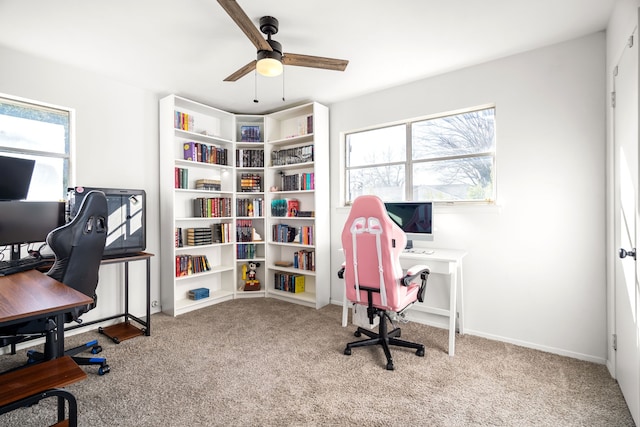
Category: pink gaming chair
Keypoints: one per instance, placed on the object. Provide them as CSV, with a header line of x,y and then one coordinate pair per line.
x,y
372,244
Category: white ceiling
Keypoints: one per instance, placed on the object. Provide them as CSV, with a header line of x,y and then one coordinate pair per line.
x,y
188,47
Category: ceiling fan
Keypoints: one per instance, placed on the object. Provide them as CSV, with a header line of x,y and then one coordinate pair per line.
x,y
271,58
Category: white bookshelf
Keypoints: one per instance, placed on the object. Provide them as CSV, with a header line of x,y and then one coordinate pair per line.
x,y
243,136
213,130
292,134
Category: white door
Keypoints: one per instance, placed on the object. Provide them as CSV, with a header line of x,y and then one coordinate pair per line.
x,y
625,112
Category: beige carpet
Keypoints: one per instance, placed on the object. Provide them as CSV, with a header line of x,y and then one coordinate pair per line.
x,y
264,362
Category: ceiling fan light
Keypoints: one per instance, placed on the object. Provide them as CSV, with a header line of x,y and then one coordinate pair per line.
x,y
269,63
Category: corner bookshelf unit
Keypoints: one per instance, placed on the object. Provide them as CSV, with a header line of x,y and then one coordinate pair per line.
x,y
220,174
297,150
196,197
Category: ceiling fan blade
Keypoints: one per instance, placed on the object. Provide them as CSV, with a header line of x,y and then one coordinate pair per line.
x,y
242,72
242,20
314,61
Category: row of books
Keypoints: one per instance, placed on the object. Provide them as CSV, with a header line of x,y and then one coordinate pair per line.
x,y
304,260
198,236
245,231
305,235
292,156
212,207
181,178
217,233
204,153
182,181
246,251
249,158
285,207
250,183
183,121
289,282
298,126
250,207
299,181
187,265
208,184
283,233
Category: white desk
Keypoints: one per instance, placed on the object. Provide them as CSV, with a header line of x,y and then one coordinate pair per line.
x,y
442,261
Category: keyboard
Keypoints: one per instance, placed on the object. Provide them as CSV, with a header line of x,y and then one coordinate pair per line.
x,y
23,264
418,251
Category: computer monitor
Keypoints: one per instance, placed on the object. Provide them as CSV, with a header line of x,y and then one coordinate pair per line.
x,y
15,177
28,222
126,223
414,218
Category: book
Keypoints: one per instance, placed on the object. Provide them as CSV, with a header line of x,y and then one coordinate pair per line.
x,y
250,182
285,207
190,151
250,133
199,293
208,184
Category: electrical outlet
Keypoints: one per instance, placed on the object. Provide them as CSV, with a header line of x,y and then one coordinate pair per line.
x,y
154,303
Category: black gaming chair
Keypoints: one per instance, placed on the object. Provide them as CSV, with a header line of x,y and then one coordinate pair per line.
x,y
78,247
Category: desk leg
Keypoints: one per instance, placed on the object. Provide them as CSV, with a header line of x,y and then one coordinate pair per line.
x,y
148,329
453,286
126,291
58,348
460,299
345,307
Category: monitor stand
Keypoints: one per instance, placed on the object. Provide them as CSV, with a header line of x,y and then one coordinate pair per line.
x,y
409,244
15,252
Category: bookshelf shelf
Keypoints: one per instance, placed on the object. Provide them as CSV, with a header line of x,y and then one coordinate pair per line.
x,y
293,140
234,153
305,298
191,163
184,305
307,165
292,270
208,139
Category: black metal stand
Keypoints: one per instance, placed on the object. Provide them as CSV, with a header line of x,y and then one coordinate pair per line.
x,y
125,330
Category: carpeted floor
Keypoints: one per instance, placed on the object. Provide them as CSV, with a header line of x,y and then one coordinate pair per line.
x,y
265,362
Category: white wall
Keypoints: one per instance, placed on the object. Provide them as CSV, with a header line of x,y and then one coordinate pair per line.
x,y
535,270
116,147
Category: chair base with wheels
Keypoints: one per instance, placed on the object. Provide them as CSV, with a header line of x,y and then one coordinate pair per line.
x,y
384,337
92,346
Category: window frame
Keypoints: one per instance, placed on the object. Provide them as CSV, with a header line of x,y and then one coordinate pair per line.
x,y
409,161
68,155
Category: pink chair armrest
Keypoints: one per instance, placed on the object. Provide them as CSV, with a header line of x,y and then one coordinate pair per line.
x,y
415,272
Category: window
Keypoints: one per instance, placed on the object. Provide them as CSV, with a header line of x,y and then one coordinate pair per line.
x,y
36,131
445,158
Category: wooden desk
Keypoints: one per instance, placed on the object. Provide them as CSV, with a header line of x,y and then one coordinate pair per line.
x,y
31,295
442,261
